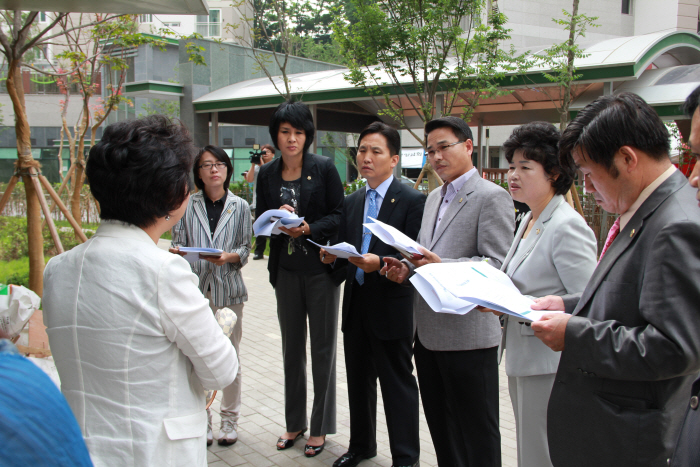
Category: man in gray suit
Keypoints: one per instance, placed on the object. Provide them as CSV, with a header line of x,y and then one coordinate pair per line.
x,y
468,219
687,451
631,341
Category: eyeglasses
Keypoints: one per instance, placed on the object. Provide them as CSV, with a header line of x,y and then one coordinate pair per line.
x,y
209,165
441,149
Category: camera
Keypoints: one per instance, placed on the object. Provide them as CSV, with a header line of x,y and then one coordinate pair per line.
x,y
256,154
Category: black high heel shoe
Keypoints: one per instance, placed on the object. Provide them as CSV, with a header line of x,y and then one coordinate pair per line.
x,y
283,443
316,449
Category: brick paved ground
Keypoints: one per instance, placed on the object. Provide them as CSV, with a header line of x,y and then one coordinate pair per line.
x,y
262,418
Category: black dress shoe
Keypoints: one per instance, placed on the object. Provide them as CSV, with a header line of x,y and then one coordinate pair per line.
x,y
258,256
351,459
417,464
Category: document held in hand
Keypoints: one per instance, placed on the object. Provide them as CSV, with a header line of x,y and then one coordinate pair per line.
x,y
194,252
476,283
269,222
394,237
342,250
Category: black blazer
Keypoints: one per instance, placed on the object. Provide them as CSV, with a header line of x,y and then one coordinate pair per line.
x,y
320,203
687,452
388,304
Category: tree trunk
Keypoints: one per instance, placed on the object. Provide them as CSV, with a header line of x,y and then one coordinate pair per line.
x,y
564,114
80,165
24,159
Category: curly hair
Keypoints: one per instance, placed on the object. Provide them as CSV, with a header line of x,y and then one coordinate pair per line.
x,y
539,142
140,169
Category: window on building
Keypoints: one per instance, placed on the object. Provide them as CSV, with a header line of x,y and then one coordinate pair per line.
x,y
209,26
42,17
146,18
172,25
626,7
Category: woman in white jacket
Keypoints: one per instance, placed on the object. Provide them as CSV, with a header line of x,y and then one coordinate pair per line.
x,y
553,253
133,338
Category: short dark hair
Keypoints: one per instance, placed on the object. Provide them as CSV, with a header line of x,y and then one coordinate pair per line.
x,y
221,155
140,169
459,127
393,138
297,114
269,147
539,142
610,122
691,102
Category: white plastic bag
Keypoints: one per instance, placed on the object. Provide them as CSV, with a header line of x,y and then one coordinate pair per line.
x,y
17,305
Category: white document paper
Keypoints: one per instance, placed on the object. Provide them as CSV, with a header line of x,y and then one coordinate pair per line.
x,y
342,250
270,221
194,252
478,283
438,297
394,237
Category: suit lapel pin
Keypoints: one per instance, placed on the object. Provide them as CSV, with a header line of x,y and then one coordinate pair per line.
x,y
228,211
309,177
632,233
392,200
460,199
537,232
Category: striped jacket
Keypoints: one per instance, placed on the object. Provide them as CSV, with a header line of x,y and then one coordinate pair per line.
x,y
233,235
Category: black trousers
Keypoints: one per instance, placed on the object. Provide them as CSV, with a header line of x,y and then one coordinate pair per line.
x,y
459,390
260,243
367,359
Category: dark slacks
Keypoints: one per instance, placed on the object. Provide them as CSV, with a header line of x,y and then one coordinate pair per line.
x,y
366,359
260,243
459,390
315,296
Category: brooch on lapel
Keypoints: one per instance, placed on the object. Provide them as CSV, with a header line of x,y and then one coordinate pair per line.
x,y
228,211
632,233
537,232
460,199
309,177
392,200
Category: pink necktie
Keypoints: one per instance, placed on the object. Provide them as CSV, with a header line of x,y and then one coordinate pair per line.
x,y
614,230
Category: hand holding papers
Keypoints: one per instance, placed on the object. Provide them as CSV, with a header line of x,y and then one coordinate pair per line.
x,y
269,222
458,287
192,253
341,250
395,238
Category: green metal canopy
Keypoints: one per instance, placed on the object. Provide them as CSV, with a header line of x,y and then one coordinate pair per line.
x,y
635,63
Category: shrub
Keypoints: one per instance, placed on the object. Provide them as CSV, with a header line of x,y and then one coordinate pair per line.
x,y
18,279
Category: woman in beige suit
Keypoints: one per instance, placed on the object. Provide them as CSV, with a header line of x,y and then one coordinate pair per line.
x,y
554,253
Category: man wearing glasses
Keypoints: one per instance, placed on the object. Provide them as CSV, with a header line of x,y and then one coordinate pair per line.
x,y
468,219
251,176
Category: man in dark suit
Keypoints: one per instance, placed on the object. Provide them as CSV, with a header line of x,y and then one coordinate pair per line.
x,y
377,313
687,450
631,341
468,219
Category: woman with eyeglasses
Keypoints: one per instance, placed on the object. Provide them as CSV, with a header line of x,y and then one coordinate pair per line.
x,y
216,218
308,185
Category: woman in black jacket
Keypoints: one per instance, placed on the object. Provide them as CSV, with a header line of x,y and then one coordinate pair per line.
x,y
308,185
